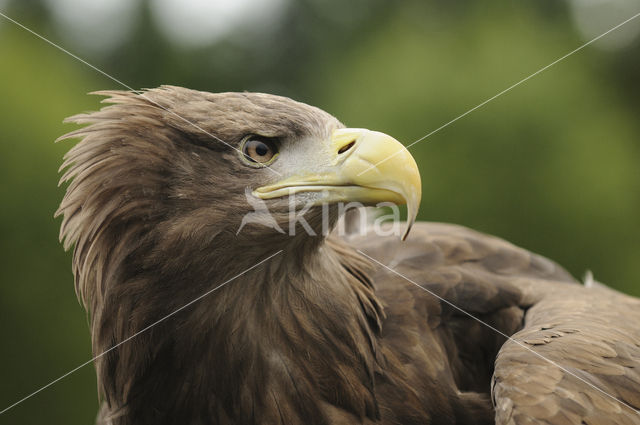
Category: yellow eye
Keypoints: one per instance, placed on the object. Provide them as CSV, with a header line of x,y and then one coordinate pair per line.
x,y
259,150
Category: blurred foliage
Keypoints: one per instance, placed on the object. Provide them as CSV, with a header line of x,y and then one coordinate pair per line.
x,y
550,165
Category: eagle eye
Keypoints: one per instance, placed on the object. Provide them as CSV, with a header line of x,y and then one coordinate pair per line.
x,y
259,150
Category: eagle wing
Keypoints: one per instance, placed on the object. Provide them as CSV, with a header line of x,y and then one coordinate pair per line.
x,y
576,361
564,353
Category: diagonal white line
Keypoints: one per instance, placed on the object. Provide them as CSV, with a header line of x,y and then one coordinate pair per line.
x,y
138,333
138,92
505,91
500,332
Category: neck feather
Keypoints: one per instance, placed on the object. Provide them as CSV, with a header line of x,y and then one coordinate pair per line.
x,y
273,345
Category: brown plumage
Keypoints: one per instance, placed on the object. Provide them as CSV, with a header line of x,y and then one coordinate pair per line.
x,y
317,334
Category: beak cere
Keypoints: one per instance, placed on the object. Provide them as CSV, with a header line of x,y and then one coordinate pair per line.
x,y
363,166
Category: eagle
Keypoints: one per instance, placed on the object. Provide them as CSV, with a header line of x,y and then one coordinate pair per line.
x,y
209,304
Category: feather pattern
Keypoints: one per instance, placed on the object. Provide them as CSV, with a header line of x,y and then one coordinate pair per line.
x,y
318,334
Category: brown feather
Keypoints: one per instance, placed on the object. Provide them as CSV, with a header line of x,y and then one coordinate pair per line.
x,y
317,334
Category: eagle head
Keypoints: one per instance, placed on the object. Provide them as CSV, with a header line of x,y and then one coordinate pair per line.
x,y
172,191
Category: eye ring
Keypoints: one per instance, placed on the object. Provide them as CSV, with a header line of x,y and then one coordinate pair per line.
x,y
258,151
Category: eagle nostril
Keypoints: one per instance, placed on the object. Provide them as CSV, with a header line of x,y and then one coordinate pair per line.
x,y
346,147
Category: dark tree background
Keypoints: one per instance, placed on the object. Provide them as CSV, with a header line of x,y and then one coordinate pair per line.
x,y
551,165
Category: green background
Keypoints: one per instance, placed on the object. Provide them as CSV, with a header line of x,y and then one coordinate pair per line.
x,y
551,165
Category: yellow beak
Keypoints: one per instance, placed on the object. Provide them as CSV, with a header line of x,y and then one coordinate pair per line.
x,y
362,166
